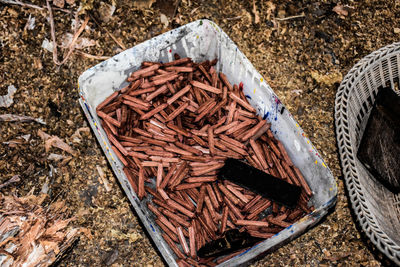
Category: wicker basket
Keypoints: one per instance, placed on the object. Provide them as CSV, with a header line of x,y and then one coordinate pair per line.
x,y
377,209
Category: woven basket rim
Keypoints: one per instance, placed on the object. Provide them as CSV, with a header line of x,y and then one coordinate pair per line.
x,y
347,156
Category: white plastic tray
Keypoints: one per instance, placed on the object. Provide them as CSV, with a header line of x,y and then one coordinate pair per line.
x,y
202,40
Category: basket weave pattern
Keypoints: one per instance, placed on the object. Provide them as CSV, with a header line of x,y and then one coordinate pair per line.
x,y
354,101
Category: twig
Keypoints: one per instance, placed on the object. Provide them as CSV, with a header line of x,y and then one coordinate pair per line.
x,y
92,56
109,34
194,10
53,36
19,3
20,118
11,2
13,179
291,17
256,16
176,8
234,18
54,199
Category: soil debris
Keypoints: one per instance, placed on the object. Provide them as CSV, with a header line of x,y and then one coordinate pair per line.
x,y
32,235
284,52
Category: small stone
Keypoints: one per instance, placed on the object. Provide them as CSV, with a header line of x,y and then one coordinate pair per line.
x,y
46,44
396,30
164,20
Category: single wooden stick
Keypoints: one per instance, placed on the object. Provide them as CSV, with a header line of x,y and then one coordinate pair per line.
x,y
167,230
237,193
254,130
241,102
224,219
177,218
206,87
179,94
302,181
177,111
107,101
192,241
141,192
278,222
180,208
142,71
200,200
173,246
252,223
187,186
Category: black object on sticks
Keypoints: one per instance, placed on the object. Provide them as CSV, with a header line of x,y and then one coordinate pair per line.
x,y
260,182
232,241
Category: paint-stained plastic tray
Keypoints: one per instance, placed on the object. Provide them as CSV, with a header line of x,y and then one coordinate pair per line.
x,y
204,40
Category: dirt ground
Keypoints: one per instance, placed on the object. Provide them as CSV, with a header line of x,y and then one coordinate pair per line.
x,y
303,58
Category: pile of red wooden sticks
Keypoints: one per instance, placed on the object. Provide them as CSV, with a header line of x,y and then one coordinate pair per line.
x,y
172,127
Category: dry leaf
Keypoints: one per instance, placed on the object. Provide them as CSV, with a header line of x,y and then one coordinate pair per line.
x,y
50,246
65,161
30,232
255,12
328,79
80,43
103,178
76,137
55,141
57,226
133,237
43,135
19,118
23,222
33,200
55,157
106,11
58,206
58,3
343,10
